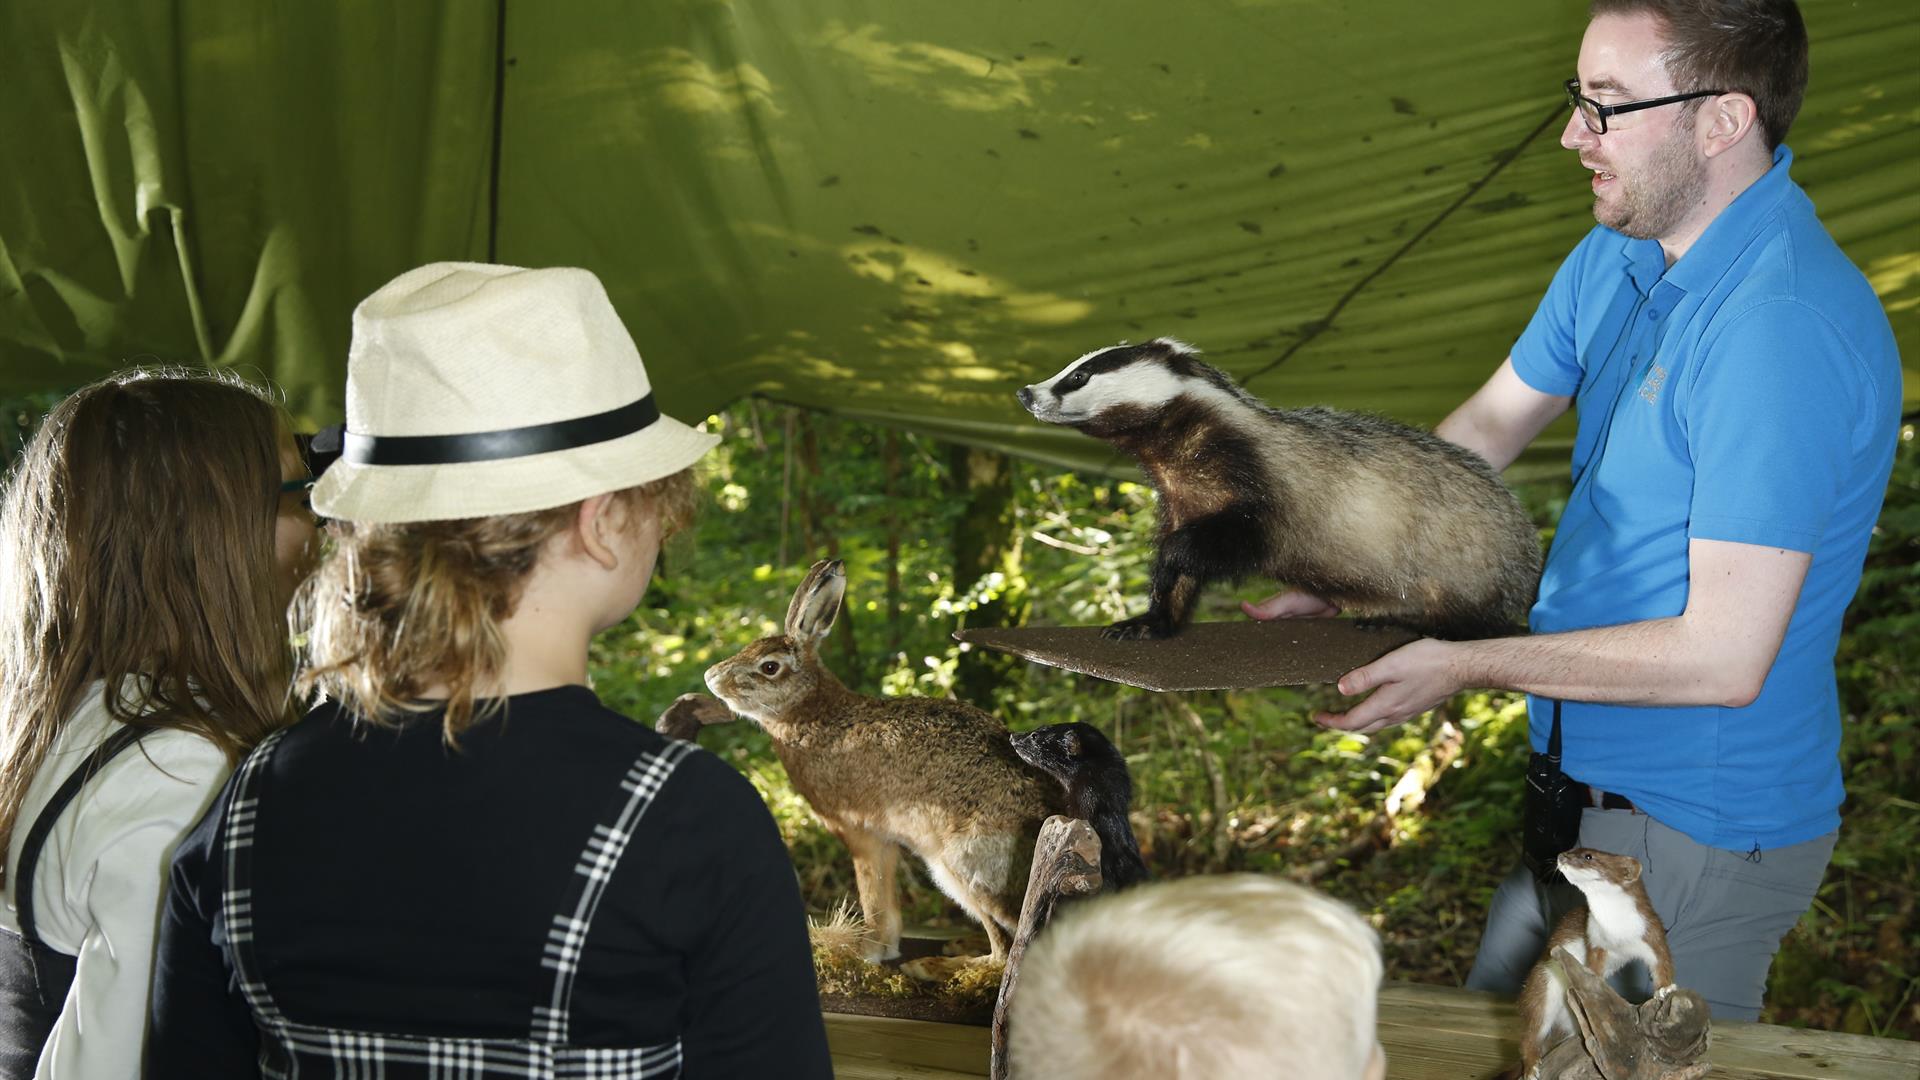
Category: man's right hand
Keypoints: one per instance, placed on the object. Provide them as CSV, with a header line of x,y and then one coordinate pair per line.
x,y
1291,604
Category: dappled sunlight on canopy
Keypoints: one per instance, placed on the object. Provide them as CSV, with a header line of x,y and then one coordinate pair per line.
x,y
901,212
686,82
920,273
953,77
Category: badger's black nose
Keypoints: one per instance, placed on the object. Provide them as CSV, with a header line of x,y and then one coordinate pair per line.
x,y
1025,394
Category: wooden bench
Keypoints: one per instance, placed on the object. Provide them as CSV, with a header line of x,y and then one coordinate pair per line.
x,y
1430,1033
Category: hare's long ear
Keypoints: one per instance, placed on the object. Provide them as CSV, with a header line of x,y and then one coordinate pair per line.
x,y
817,601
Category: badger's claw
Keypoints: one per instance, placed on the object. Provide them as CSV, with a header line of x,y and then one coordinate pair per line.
x,y
1146,627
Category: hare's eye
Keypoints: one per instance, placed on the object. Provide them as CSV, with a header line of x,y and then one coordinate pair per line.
x,y
770,667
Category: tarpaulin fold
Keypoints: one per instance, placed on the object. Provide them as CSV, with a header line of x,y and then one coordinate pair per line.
x,y
900,212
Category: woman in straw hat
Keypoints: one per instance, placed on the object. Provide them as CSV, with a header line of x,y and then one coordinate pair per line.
x,y
460,862
151,532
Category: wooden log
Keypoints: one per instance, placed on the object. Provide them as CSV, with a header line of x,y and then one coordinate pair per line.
x,y
1066,866
1677,1027
1664,1038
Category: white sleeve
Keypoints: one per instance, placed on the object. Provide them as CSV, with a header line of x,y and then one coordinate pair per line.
x,y
134,819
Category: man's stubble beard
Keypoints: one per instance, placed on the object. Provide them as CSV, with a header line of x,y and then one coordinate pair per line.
x,y
1654,202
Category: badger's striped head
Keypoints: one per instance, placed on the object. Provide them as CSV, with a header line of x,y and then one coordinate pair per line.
x,y
1122,380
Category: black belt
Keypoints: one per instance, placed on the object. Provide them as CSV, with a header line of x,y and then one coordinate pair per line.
x,y
1605,800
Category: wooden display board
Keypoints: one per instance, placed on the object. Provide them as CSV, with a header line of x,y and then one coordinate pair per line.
x,y
1243,655
1430,1033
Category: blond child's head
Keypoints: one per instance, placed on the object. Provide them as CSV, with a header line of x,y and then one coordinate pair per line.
x,y
1236,975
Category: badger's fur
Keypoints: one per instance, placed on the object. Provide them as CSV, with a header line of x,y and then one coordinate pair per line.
x,y
1391,523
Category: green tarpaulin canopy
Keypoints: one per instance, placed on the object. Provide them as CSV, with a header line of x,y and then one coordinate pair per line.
x,y
900,211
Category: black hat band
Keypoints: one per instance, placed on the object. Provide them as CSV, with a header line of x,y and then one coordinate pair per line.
x,y
505,443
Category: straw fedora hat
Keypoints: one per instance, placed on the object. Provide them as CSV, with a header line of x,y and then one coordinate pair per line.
x,y
475,390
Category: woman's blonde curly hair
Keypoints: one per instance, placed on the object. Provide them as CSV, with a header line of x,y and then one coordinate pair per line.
x,y
395,609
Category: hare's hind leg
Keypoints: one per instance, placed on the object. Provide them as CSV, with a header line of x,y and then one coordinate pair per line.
x,y
976,902
874,859
977,872
999,936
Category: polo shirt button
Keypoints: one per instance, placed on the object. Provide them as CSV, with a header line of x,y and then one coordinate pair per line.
x,y
1652,314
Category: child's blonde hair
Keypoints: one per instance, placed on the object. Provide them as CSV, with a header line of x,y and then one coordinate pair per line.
x,y
397,608
1236,975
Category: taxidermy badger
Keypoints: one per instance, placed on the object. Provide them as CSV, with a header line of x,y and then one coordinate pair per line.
x,y
1393,524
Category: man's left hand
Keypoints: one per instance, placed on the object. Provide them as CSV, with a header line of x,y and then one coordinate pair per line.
x,y
1405,683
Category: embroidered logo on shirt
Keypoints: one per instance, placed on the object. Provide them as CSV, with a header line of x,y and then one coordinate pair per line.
x,y
1650,386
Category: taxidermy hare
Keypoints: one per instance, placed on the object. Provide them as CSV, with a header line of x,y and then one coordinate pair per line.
x,y
938,777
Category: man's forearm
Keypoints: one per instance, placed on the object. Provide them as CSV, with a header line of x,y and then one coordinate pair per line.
x,y
1460,429
1656,662
1501,417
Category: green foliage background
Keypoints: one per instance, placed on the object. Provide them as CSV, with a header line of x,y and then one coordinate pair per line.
x,y
1224,781
1233,781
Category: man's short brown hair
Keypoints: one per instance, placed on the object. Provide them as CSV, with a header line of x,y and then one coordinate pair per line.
x,y
1757,47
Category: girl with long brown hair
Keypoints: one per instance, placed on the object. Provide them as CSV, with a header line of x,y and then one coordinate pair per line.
x,y
150,533
460,858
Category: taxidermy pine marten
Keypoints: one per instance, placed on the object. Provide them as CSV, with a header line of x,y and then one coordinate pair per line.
x,y
1617,926
1099,790
1393,524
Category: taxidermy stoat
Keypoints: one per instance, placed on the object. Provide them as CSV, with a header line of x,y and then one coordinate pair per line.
x,y
1099,790
1391,523
1617,926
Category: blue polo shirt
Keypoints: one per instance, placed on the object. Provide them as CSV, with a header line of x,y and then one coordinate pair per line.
x,y
1748,393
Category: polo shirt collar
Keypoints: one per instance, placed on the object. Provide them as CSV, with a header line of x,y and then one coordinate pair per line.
x,y
1722,242
1646,263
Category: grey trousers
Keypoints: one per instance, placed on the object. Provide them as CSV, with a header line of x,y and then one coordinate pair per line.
x,y
1725,912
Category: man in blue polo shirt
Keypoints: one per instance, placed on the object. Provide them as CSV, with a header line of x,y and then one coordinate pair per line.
x,y
1738,394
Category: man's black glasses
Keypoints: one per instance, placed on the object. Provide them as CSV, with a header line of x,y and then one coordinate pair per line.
x,y
1595,114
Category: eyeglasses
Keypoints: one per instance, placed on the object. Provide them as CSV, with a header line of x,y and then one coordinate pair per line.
x,y
1595,114
304,486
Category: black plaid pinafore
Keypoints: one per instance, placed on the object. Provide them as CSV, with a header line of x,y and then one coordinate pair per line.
x,y
289,1049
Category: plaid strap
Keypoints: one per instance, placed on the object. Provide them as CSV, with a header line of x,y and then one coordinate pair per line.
x,y
236,897
301,1050
290,1049
567,937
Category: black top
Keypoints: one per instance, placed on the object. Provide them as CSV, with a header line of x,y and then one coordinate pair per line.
x,y
401,886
